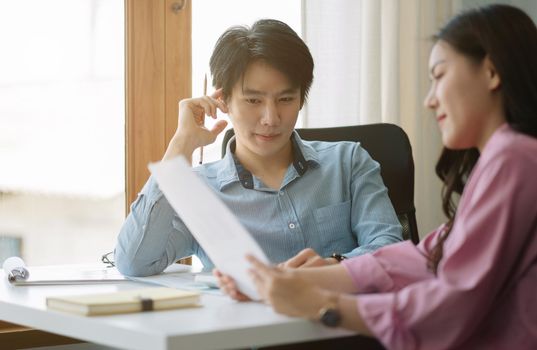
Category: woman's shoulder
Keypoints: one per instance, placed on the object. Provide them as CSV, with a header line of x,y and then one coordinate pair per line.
x,y
507,166
513,147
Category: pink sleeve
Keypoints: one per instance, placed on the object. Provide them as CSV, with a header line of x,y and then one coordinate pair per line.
x,y
390,268
493,222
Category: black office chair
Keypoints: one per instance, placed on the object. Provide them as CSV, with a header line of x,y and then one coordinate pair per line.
x,y
387,144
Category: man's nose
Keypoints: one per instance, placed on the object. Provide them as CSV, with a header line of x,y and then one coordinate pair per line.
x,y
270,115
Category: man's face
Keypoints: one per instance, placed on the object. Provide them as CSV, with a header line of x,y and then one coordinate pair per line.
x,y
263,108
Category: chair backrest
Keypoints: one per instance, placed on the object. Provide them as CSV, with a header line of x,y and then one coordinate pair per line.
x,y
388,144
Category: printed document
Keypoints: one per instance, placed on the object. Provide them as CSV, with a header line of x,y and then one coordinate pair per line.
x,y
209,220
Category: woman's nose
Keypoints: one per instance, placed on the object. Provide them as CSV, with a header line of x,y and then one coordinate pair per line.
x,y
430,100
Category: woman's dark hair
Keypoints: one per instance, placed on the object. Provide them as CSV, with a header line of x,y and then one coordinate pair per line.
x,y
508,37
269,40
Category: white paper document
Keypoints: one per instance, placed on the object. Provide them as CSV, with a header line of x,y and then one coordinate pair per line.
x,y
209,220
182,277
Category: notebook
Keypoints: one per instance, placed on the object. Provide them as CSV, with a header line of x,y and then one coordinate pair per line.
x,y
68,274
147,299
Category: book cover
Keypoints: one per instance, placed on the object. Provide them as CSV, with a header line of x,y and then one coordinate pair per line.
x,y
147,299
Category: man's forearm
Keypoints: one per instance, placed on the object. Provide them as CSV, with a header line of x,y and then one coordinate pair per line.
x,y
180,146
142,247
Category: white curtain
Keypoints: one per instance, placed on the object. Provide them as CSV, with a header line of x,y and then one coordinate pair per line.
x,y
371,59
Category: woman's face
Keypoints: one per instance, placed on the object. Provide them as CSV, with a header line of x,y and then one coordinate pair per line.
x,y
465,98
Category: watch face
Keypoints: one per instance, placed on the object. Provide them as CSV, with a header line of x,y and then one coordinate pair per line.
x,y
331,318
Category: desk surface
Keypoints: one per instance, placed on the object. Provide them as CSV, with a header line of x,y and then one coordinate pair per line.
x,y
220,324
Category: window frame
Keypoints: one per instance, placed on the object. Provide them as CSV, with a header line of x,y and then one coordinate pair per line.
x,y
158,74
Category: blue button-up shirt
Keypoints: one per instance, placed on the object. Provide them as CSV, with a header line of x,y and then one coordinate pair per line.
x,y
332,199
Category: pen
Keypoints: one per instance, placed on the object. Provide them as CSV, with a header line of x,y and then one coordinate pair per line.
x,y
204,94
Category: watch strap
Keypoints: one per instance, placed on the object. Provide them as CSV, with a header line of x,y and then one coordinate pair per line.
x,y
338,257
329,315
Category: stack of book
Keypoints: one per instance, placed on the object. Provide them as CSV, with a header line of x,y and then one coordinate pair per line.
x,y
147,299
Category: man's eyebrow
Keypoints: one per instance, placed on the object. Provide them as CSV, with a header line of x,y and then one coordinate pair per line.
x,y
248,91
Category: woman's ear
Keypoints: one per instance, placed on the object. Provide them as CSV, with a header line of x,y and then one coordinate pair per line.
x,y
494,80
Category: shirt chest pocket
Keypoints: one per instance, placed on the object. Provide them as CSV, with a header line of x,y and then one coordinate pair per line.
x,y
334,222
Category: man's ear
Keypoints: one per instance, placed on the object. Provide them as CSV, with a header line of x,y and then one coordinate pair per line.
x,y
494,80
225,99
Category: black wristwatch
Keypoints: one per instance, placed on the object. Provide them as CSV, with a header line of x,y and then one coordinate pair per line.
x,y
338,257
330,317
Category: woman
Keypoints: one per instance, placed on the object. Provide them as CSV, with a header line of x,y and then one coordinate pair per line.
x,y
470,284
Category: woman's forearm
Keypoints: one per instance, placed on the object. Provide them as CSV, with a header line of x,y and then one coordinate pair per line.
x,y
332,277
350,316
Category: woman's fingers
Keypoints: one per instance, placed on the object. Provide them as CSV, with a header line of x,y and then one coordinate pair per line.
x,y
263,277
260,283
228,286
257,263
239,296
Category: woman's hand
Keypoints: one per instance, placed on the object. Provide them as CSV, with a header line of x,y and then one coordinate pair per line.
x,y
228,286
191,132
307,258
286,291
292,294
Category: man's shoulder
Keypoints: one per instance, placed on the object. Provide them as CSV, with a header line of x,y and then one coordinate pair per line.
x,y
337,150
212,170
338,146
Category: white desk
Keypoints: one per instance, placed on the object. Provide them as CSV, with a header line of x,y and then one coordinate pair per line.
x,y
220,324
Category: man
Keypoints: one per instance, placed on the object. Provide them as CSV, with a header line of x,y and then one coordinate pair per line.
x,y
288,193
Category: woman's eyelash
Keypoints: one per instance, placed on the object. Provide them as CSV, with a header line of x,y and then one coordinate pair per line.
x,y
436,76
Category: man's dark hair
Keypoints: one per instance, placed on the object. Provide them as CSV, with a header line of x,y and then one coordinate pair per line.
x,y
268,40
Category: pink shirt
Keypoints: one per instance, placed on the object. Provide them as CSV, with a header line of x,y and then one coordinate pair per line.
x,y
485,293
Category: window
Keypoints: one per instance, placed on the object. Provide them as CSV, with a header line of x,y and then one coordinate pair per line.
x,y
62,114
61,129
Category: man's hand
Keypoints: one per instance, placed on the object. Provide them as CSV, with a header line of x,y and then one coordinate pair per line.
x,y
307,258
191,132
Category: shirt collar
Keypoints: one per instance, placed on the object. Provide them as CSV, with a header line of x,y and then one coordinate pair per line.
x,y
304,157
